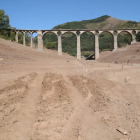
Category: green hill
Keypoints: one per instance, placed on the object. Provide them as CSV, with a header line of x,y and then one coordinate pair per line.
x,y
87,39
103,22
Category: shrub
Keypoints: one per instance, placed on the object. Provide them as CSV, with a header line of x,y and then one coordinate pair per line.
x,y
86,54
50,45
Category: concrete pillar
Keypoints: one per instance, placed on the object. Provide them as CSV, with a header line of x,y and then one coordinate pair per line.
x,y
115,42
24,38
16,37
59,35
96,45
40,41
31,40
78,46
133,39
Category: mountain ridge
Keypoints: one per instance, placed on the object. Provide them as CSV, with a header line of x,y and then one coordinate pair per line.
x,y
103,22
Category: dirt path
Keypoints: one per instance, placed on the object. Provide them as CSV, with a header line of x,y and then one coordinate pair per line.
x,y
27,109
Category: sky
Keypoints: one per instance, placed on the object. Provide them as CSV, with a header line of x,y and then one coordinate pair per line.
x,y
45,14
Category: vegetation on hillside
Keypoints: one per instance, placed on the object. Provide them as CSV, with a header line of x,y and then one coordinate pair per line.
x,y
128,24
81,24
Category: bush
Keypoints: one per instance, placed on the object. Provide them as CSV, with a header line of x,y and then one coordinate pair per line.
x,y
50,45
86,54
73,54
138,37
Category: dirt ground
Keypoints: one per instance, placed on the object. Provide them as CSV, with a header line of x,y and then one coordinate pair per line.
x,y
44,96
126,55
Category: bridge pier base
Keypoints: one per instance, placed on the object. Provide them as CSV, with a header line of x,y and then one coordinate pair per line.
x,y
40,40
59,44
24,38
96,46
16,37
78,46
31,39
115,42
133,39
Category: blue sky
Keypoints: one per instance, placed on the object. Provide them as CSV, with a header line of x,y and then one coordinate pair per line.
x,y
45,14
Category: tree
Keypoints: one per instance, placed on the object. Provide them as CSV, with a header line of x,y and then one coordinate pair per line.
x,y
27,39
138,36
50,45
20,38
35,41
4,23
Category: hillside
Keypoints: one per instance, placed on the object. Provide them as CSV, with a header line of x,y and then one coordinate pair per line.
x,y
129,54
103,22
44,96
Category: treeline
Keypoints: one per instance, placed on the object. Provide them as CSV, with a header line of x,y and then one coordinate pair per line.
x,y
5,24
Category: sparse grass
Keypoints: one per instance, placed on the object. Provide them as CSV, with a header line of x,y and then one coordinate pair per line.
x,y
133,56
137,50
106,50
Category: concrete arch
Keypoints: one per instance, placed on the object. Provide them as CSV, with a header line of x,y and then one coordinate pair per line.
x,y
66,45
20,32
92,32
27,36
87,49
55,32
50,37
110,32
73,32
129,32
34,42
31,32
109,44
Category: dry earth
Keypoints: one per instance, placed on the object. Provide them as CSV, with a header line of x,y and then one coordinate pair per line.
x,y
44,96
125,55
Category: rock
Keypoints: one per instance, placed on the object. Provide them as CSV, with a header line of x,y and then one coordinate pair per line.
x,y
126,79
1,59
115,62
39,108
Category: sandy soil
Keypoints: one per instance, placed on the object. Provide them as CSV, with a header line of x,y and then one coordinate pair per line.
x,y
125,55
44,96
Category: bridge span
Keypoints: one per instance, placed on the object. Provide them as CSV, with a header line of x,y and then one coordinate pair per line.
x,y
77,32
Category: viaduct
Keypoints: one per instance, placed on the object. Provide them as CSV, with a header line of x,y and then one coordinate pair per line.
x,y
78,32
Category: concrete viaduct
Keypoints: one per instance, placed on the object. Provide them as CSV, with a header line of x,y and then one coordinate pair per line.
x,y
78,32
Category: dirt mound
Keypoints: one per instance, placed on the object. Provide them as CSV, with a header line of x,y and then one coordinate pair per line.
x,y
48,97
129,54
